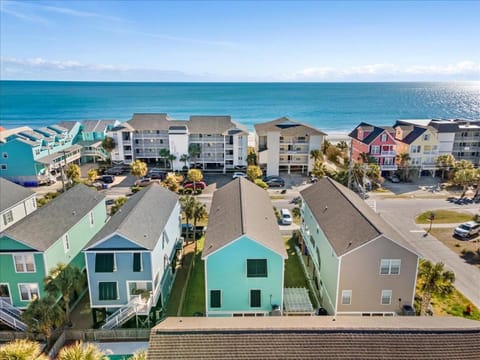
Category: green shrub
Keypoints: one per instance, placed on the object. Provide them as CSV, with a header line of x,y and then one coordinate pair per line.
x,y
261,183
135,189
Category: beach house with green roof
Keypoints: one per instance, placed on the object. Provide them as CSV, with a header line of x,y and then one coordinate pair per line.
x,y
55,233
243,253
131,261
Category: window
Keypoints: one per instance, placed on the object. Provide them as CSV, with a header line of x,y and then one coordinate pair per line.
x,y
3,167
107,290
5,155
375,149
390,266
384,137
137,262
416,149
24,263
426,137
91,218
7,217
386,297
346,297
256,267
104,262
28,292
66,242
255,298
215,298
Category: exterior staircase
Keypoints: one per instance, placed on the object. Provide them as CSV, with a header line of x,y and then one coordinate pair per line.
x,y
10,315
134,307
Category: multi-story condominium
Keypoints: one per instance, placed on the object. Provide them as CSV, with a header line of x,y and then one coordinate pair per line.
x,y
420,143
458,137
90,137
377,142
55,233
285,145
219,142
362,266
16,202
28,156
243,252
131,261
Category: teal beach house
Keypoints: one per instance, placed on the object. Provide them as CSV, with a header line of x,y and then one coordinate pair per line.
x,y
28,156
131,261
55,233
243,253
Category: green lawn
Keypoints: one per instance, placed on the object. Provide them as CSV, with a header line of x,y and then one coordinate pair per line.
x,y
194,301
443,217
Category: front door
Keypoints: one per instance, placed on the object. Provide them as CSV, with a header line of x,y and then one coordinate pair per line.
x,y
5,293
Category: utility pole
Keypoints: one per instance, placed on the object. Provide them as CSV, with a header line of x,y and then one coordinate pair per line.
x,y
61,169
350,165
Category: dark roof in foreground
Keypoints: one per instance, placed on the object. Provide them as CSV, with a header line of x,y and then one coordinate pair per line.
x,y
315,338
346,220
11,194
375,131
142,218
45,226
242,208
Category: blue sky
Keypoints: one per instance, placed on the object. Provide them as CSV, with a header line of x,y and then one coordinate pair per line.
x,y
240,40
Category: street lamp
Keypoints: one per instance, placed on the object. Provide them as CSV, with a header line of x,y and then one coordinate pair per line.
x,y
431,218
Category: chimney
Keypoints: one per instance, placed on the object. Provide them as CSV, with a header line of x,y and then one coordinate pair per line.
x,y
360,133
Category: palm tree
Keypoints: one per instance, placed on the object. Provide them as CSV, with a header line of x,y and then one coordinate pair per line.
x,y
319,169
316,155
170,159
434,280
253,172
22,349
43,316
67,280
342,146
366,158
164,154
72,172
82,351
138,168
460,165
185,158
139,355
445,162
199,213
251,156
326,144
194,175
92,175
477,178
187,203
465,178
109,144
404,160
194,150
374,172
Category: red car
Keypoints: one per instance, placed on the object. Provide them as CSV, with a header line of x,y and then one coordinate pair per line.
x,y
199,185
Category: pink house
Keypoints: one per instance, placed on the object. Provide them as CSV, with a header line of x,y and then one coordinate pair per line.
x,y
378,142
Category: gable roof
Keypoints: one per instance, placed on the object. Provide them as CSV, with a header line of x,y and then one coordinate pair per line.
x,y
375,131
45,226
97,125
11,194
149,121
346,220
242,208
325,337
411,133
212,124
287,127
142,218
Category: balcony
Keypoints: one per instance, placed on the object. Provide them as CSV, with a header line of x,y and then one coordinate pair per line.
x,y
388,153
388,167
429,166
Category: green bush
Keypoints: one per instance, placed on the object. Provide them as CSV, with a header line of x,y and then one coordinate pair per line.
x,y
261,183
135,189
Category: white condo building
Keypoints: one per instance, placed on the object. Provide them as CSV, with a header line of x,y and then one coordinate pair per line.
x,y
218,141
285,145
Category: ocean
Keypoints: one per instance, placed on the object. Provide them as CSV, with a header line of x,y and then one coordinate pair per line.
x,y
332,107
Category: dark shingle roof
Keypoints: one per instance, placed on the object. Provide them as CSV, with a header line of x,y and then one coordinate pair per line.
x,y
211,124
287,127
143,217
411,133
375,132
11,194
242,208
45,226
315,338
346,220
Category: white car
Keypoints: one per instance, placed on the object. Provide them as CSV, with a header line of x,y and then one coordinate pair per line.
x,y
239,174
286,217
467,230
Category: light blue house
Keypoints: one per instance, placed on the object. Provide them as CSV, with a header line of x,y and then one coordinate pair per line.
x,y
28,156
131,261
243,253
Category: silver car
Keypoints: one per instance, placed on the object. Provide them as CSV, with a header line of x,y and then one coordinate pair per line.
x,y
467,230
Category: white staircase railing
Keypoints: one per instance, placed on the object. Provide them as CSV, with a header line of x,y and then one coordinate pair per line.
x,y
10,315
123,314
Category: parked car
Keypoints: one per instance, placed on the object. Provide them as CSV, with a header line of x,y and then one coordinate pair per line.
x,y
467,230
107,179
144,181
313,179
116,170
393,178
185,227
275,182
156,174
240,167
285,217
199,185
239,174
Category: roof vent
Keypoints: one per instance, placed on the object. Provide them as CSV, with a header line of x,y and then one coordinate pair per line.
x,y
73,212
326,208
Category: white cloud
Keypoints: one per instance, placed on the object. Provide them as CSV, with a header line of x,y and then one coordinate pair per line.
x,y
461,70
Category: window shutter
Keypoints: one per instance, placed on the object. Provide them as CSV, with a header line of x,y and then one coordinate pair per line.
x,y
137,262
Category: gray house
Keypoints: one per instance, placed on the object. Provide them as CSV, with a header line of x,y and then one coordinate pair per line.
x,y
131,261
362,265
16,202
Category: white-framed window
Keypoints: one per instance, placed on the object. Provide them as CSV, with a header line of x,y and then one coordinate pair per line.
x,y
388,161
8,217
66,242
383,138
386,297
24,263
416,149
426,137
390,266
91,219
346,297
375,149
28,291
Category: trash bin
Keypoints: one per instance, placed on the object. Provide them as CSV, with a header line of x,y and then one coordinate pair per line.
x,y
322,311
